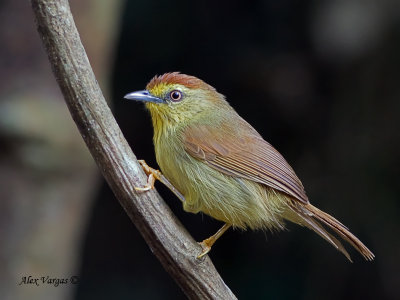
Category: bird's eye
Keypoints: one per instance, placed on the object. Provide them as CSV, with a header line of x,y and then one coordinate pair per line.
x,y
175,95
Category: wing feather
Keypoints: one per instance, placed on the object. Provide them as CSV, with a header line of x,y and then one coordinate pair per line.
x,y
243,153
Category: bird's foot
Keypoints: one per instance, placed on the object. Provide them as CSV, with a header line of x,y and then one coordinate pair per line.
x,y
207,243
152,174
205,246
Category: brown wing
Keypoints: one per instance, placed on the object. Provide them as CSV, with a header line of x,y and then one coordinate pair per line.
x,y
242,152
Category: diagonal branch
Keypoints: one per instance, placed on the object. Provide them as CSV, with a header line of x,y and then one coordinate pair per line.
x,y
167,238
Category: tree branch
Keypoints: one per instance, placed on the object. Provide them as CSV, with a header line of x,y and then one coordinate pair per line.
x,y
165,235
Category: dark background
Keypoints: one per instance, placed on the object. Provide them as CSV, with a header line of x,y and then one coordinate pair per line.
x,y
320,81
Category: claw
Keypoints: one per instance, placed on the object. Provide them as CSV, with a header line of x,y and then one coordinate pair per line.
x,y
149,186
153,176
207,243
149,170
156,175
206,248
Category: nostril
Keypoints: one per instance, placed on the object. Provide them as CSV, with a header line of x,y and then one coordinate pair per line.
x,y
145,92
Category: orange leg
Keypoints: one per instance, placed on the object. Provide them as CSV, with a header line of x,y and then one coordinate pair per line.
x,y
154,175
207,243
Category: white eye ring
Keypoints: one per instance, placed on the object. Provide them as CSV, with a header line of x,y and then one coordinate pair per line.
x,y
175,95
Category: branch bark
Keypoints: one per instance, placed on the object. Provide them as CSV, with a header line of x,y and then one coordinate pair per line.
x,y
165,235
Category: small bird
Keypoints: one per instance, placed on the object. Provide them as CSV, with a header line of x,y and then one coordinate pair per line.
x,y
218,164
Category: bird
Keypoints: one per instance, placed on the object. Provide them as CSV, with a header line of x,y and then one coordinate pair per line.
x,y
218,164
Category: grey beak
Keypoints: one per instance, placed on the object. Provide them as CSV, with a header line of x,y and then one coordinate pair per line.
x,y
143,96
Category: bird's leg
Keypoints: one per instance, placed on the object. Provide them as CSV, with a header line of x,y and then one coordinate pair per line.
x,y
154,175
207,243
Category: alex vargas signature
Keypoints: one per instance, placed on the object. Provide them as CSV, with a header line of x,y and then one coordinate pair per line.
x,y
55,281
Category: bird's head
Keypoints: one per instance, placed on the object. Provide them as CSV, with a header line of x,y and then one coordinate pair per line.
x,y
174,98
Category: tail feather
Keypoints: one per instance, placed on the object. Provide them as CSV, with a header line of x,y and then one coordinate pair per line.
x,y
309,216
299,217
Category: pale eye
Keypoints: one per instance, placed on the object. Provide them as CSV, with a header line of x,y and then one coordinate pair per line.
x,y
175,95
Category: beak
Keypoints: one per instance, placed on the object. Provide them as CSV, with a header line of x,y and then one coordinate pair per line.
x,y
144,96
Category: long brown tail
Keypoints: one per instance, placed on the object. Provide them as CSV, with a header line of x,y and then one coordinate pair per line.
x,y
308,215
